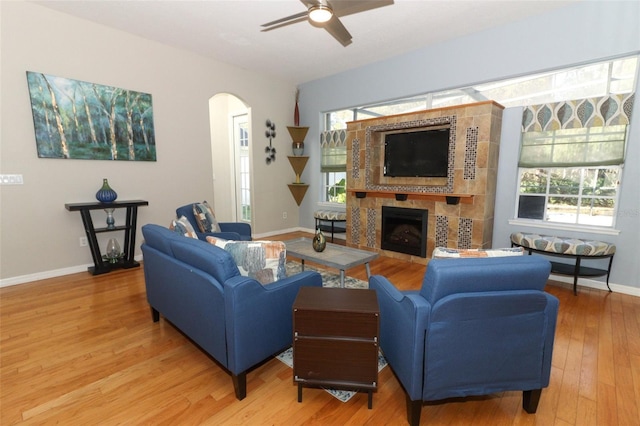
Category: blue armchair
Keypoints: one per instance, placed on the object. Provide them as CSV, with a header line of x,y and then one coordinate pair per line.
x,y
476,327
238,231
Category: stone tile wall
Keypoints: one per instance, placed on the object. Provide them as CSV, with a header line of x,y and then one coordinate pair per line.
x,y
473,164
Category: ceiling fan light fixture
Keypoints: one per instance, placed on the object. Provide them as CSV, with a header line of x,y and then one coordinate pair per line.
x,y
320,13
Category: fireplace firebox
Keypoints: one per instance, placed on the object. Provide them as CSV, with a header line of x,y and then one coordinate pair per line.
x,y
404,230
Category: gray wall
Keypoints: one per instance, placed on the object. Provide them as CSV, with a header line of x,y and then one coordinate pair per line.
x,y
579,33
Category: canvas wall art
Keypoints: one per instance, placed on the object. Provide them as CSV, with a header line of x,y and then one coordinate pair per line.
x,y
79,120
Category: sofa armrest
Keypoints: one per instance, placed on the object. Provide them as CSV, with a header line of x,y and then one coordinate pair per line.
x,y
259,317
240,228
403,321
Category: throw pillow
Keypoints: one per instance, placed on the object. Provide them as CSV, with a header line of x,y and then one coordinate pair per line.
x,y
182,226
205,217
443,252
264,261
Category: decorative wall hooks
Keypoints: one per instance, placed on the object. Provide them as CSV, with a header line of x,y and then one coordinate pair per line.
x,y
270,133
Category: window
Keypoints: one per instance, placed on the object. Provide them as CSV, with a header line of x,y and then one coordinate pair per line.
x,y
242,168
560,190
333,166
335,187
577,195
592,80
571,174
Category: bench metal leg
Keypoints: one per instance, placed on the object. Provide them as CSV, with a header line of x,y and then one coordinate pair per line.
x,y
576,272
609,272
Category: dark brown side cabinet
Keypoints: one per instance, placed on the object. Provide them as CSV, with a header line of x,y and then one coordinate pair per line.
x,y
335,339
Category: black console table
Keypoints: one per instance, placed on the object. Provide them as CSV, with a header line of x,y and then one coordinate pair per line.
x,y
102,266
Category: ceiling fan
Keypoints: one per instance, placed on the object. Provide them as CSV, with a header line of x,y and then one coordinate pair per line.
x,y
326,14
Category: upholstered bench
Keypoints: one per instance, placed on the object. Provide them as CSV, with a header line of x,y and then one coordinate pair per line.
x,y
326,220
570,248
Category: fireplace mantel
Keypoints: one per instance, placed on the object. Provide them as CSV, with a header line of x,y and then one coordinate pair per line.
x,y
422,196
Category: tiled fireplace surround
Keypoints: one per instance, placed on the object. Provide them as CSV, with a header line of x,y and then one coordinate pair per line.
x,y
473,163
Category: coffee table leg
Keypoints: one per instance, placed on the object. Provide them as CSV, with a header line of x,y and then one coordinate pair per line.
x,y
341,278
366,265
302,264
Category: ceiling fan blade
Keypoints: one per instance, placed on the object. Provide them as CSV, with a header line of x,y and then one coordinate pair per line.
x,y
284,24
349,7
338,31
284,21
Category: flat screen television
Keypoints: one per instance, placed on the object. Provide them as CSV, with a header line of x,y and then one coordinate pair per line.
x,y
422,153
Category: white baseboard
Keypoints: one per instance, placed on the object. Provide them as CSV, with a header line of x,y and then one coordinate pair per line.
x,y
22,279
300,229
599,285
278,232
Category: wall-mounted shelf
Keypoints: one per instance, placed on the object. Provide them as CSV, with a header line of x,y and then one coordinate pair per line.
x,y
298,164
404,196
298,189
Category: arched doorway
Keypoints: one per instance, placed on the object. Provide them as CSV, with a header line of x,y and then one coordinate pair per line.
x,y
230,120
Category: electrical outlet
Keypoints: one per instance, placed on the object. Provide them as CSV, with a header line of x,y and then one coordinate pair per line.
x,y
284,215
83,242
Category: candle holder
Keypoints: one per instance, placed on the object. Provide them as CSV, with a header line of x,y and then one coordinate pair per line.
x,y
111,222
113,253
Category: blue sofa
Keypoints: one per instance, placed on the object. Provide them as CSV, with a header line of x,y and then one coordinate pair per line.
x,y
476,327
198,288
237,231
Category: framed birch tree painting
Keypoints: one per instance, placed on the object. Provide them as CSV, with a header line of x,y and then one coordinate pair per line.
x,y
79,120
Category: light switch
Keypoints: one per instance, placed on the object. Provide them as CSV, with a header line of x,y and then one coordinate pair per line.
x,y
11,180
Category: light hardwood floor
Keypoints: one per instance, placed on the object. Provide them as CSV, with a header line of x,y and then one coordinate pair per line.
x,y
83,350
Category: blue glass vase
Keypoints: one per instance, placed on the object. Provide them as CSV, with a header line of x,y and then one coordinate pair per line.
x,y
106,194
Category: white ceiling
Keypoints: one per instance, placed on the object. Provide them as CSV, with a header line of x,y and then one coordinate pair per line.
x,y
229,30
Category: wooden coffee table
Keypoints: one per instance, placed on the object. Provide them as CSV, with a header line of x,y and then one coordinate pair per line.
x,y
334,255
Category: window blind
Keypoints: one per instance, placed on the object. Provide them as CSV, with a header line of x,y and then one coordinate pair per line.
x,y
577,133
333,150
582,147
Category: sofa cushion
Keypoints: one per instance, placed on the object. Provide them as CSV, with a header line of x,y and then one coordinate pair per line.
x,y
205,217
563,245
330,215
264,261
444,253
206,257
158,237
182,226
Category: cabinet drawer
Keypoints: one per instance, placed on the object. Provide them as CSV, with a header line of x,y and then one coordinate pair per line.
x,y
335,361
330,323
